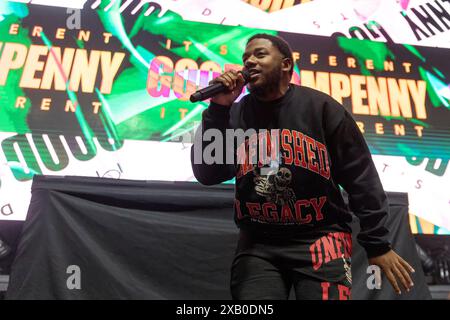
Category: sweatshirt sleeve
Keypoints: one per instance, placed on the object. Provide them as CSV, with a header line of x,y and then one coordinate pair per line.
x,y
212,172
352,167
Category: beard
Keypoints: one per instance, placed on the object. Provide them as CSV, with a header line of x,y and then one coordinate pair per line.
x,y
270,83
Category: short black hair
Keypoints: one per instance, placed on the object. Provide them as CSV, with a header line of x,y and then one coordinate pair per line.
x,y
278,42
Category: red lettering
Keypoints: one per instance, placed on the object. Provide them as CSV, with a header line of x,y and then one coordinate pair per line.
x,y
274,144
155,79
272,215
264,148
298,212
286,214
248,165
310,148
253,209
316,262
318,207
286,140
299,151
344,241
344,292
328,248
252,149
323,160
241,154
247,168
338,240
342,237
325,288
242,159
237,207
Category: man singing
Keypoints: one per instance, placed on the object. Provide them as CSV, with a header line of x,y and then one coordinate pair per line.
x,y
293,221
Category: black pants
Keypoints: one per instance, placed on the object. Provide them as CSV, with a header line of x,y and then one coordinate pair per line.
x,y
267,269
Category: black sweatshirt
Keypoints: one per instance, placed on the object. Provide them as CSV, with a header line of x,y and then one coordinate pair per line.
x,y
319,148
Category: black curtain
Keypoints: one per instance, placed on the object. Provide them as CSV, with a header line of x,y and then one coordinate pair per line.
x,y
120,239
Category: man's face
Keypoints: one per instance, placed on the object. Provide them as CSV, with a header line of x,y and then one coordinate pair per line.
x,y
264,62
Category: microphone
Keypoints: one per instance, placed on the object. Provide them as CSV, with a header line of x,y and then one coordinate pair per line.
x,y
215,88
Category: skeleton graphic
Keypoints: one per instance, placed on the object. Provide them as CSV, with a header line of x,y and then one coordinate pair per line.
x,y
275,188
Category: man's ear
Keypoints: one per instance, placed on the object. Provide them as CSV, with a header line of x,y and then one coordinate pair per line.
x,y
286,64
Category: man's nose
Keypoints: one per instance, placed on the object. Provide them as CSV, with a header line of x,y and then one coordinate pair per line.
x,y
250,62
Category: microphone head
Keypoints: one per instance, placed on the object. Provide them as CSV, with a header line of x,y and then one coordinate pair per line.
x,y
196,96
245,75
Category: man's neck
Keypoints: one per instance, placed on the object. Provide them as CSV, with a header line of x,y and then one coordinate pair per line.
x,y
270,95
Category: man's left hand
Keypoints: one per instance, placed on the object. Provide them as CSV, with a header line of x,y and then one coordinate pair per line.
x,y
395,268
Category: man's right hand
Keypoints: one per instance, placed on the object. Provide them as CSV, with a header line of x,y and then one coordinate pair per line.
x,y
234,81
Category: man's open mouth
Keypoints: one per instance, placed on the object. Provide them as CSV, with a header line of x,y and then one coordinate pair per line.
x,y
254,74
